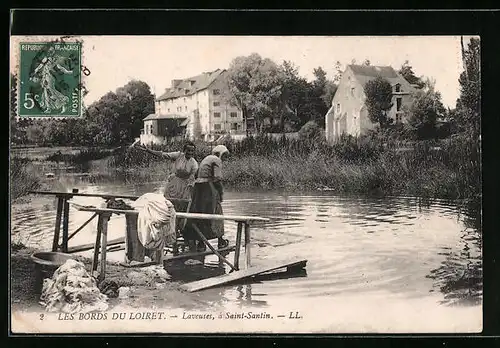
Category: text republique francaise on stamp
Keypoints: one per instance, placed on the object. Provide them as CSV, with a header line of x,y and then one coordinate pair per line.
x,y
50,79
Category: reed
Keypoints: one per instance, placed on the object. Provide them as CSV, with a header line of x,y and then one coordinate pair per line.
x,y
23,177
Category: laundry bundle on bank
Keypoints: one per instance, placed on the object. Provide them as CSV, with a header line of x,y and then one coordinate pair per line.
x,y
71,290
156,221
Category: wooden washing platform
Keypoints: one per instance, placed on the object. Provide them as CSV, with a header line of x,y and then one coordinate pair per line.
x,y
293,265
101,245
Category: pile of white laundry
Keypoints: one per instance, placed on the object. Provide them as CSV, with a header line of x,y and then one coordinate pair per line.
x,y
156,220
71,290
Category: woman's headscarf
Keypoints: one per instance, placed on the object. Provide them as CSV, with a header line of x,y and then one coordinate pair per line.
x,y
221,149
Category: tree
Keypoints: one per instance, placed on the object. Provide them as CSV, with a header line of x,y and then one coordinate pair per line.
x,y
468,109
295,95
406,71
367,62
425,110
338,72
324,91
378,101
255,85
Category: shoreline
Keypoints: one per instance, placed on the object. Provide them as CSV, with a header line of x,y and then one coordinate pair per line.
x,y
144,292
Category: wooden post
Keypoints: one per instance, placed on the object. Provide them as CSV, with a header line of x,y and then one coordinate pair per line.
x,y
104,244
238,246
135,250
55,243
247,244
97,244
65,231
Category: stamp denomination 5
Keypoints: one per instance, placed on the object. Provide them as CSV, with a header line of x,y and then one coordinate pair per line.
x,y
50,79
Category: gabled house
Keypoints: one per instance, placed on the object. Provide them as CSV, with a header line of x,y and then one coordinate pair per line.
x,y
348,113
193,108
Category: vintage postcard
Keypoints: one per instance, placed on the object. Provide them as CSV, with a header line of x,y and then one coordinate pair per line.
x,y
245,184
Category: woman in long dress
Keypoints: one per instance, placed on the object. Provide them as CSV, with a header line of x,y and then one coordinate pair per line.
x,y
207,198
179,183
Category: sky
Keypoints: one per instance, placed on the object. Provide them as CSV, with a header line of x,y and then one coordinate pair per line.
x,y
115,60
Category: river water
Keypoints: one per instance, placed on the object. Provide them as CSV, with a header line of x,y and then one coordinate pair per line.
x,y
398,255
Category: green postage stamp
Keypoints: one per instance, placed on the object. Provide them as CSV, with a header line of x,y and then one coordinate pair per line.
x,y
50,79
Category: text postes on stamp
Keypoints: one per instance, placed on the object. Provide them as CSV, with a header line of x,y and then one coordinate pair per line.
x,y
50,79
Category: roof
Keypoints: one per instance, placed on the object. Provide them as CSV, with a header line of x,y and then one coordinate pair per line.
x,y
364,73
192,85
164,117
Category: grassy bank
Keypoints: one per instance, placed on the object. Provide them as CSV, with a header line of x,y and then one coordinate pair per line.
x,y
369,166
23,177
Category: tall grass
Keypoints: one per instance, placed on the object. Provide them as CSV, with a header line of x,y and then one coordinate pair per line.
x,y
23,177
364,165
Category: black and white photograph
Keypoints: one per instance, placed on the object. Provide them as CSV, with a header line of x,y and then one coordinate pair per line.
x,y
245,184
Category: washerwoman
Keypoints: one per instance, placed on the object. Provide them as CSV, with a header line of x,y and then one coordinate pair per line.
x,y
207,198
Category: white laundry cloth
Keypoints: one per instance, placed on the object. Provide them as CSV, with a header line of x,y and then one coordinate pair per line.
x,y
71,290
156,220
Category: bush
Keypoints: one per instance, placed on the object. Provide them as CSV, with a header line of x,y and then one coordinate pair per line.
x,y
23,177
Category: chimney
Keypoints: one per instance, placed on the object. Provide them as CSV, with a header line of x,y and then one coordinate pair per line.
x,y
175,83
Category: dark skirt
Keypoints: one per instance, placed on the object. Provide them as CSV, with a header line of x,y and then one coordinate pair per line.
x,y
206,199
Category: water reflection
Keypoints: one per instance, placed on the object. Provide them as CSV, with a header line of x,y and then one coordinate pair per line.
x,y
460,275
400,245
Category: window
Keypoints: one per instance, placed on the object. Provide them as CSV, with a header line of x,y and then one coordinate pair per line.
x,y
217,126
352,91
398,118
216,92
216,103
338,107
234,114
398,103
398,88
185,108
184,100
168,110
216,114
234,126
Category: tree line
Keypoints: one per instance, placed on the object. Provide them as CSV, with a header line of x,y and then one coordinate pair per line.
x,y
274,95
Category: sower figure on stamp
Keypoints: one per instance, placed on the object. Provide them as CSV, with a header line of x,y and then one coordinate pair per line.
x,y
207,198
51,98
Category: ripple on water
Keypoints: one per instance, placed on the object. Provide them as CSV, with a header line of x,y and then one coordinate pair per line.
x,y
400,245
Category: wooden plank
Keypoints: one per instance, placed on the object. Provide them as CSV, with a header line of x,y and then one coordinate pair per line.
x,y
207,243
238,246
247,246
97,246
246,273
82,226
138,264
100,195
65,227
178,214
85,247
55,243
203,253
104,245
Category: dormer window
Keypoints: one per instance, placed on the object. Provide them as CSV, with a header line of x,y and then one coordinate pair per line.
x,y
398,88
192,82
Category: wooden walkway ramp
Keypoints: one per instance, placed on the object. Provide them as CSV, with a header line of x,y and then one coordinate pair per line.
x,y
238,275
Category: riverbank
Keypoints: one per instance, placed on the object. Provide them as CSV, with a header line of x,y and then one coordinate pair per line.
x,y
144,292
446,169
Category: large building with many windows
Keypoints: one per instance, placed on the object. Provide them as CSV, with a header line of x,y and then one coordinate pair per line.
x,y
195,108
